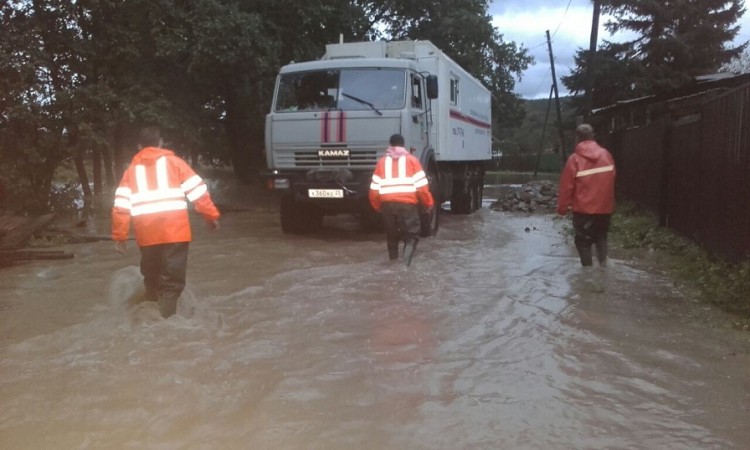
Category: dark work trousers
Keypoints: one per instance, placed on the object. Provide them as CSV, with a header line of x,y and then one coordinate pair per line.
x,y
164,268
401,222
591,229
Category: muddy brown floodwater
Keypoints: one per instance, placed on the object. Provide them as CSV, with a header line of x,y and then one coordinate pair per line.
x,y
495,338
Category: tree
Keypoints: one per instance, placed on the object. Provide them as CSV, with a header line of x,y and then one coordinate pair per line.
x,y
78,78
739,64
36,68
675,41
612,77
232,52
464,31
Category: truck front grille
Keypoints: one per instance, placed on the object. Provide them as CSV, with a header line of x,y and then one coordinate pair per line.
x,y
359,159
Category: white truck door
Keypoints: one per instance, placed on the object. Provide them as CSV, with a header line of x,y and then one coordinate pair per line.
x,y
416,104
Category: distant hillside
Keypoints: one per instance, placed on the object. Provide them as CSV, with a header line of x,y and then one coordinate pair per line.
x,y
527,138
539,106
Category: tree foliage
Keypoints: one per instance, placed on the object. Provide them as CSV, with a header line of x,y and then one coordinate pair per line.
x,y
77,78
674,41
463,30
739,64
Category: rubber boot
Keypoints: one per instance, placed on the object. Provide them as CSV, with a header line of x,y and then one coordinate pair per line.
x,y
151,296
167,306
601,250
409,248
584,252
393,250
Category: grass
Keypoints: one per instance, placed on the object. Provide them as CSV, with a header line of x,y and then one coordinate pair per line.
x,y
718,282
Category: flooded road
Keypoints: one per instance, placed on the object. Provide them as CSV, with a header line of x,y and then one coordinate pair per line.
x,y
495,338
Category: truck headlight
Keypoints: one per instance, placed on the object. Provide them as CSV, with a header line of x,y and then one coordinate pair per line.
x,y
281,183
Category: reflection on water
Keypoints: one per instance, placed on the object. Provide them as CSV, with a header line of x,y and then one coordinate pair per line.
x,y
494,338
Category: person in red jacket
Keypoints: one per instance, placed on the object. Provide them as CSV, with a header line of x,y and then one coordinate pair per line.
x,y
587,184
398,186
153,194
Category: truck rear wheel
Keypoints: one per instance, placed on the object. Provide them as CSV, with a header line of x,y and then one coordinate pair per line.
x,y
477,197
468,191
462,198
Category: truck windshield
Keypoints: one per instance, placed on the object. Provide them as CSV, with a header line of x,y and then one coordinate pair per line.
x,y
342,89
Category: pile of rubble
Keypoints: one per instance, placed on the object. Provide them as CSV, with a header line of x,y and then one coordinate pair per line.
x,y
535,196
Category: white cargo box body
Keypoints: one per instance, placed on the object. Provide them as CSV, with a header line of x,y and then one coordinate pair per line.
x,y
461,115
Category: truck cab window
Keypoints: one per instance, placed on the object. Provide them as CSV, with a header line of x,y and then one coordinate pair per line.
x,y
382,88
416,96
344,89
307,91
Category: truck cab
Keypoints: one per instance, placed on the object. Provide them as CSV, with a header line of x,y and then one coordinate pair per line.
x,y
330,123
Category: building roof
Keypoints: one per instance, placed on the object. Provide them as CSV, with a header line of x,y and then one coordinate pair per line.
x,y
704,84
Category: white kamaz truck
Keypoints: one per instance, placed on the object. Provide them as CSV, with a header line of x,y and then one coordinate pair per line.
x,y
331,119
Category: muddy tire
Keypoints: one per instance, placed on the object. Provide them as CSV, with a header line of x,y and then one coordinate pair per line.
x,y
462,199
468,191
477,197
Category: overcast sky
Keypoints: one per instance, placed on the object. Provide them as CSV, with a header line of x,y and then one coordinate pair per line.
x,y
569,24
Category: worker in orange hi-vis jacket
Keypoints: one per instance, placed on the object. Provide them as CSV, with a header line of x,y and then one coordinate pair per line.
x,y
398,186
587,186
153,194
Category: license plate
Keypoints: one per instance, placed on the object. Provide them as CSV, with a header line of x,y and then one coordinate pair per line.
x,y
325,193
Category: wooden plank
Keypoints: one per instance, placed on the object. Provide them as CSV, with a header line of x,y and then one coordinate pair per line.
x,y
10,221
17,236
75,238
9,256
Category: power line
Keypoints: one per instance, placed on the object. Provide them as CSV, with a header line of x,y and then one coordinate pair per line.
x,y
563,17
542,44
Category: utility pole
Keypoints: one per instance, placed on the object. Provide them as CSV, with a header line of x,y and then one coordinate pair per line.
x,y
544,129
557,99
589,105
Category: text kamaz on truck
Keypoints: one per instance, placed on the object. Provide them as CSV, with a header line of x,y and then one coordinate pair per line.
x,y
331,119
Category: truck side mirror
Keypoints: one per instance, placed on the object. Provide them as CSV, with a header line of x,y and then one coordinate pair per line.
x,y
432,87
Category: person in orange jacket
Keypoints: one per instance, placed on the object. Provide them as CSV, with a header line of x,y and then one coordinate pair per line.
x,y
587,184
153,194
398,186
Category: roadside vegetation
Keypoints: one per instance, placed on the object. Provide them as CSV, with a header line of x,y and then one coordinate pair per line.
x,y
78,79
721,283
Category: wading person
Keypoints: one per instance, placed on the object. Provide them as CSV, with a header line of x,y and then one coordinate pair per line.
x,y
399,186
153,193
587,184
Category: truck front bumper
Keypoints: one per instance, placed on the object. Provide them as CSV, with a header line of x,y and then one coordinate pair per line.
x,y
334,189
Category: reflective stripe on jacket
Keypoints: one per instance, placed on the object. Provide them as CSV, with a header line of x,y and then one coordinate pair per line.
x,y
154,192
588,181
399,180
